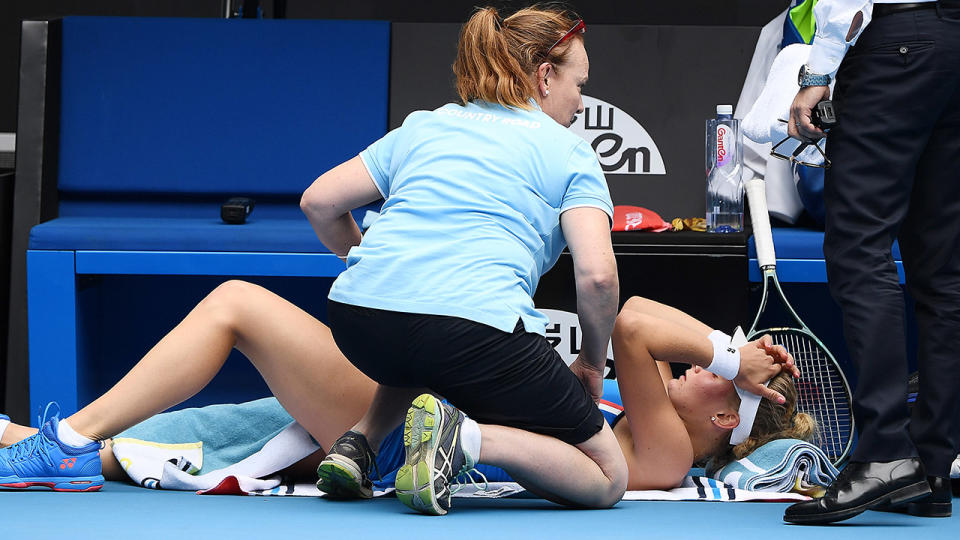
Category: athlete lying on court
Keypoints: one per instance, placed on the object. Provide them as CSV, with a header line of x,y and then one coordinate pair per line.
x,y
668,424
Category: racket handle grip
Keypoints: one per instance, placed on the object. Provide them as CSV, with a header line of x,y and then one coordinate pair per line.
x,y
759,216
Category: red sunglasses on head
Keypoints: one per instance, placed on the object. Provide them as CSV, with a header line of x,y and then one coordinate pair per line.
x,y
578,28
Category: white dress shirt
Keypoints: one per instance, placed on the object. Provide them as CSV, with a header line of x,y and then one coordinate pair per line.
x,y
834,19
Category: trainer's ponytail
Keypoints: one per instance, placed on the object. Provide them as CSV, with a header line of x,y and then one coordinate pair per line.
x,y
497,58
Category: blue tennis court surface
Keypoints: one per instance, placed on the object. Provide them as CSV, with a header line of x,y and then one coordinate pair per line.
x,y
125,511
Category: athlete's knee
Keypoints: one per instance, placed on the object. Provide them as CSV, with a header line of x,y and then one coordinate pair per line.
x,y
224,303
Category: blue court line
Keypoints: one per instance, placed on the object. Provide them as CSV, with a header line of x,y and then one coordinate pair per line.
x,y
123,510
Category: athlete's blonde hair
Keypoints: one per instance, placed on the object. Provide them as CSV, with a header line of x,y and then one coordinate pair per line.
x,y
773,421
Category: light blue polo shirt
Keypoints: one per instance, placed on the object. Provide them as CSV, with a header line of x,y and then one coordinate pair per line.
x,y
471,218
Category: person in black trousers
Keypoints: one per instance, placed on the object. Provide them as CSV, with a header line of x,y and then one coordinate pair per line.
x,y
895,176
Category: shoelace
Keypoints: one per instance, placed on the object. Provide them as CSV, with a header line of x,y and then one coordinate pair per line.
x,y
31,445
41,420
373,463
27,447
468,476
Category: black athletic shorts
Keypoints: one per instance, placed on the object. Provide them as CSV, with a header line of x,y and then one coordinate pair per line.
x,y
511,379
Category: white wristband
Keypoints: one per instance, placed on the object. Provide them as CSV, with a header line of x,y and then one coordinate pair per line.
x,y
726,357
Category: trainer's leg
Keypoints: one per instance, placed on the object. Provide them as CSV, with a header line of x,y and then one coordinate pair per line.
x,y
513,384
591,474
294,353
386,412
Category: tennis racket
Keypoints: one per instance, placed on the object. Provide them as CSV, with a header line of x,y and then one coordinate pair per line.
x,y
822,389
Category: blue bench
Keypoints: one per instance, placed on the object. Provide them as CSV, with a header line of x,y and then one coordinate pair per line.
x,y
800,256
160,121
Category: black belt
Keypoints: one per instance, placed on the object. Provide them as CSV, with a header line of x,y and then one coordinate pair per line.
x,y
882,10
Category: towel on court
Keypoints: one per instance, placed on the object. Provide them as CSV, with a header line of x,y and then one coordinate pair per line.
x,y
703,488
694,488
781,466
196,449
231,486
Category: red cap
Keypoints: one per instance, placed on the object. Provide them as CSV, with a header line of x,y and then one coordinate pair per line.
x,y
637,218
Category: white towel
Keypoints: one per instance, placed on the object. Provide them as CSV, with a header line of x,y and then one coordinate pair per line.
x,y
762,124
703,488
175,466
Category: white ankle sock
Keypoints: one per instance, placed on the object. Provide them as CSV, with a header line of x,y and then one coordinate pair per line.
x,y
470,439
67,435
3,426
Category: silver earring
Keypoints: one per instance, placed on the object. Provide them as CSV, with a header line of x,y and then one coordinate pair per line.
x,y
546,92
713,418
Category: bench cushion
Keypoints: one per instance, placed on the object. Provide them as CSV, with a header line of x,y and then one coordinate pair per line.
x,y
175,234
800,244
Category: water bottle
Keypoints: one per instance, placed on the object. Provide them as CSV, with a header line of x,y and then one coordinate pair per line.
x,y
724,167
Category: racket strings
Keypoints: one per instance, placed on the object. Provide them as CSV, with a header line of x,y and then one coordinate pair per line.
x,y
821,393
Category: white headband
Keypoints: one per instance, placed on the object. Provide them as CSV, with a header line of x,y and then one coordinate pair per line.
x,y
749,402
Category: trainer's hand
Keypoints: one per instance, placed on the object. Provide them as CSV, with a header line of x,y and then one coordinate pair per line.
x,y
756,368
799,125
590,375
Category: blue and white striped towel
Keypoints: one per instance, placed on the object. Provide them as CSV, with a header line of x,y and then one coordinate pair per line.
x,y
782,465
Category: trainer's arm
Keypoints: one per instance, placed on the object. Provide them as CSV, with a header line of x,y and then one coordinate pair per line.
x,y
328,201
587,231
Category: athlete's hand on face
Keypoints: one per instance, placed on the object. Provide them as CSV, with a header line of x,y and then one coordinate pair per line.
x,y
590,375
757,366
780,355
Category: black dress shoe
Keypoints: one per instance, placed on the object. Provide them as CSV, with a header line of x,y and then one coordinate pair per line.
x,y
938,504
860,486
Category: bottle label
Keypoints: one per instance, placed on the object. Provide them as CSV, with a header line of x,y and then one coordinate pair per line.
x,y
725,149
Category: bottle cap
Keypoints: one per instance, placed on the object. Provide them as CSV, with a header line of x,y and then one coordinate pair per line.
x,y
725,109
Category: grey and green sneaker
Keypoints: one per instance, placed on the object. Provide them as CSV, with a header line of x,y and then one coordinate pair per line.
x,y
435,456
345,472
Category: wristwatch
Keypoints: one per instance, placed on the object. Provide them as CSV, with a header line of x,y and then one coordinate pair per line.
x,y
806,78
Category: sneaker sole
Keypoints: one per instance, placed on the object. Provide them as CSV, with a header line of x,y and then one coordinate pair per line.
x,y
421,429
901,496
338,479
78,485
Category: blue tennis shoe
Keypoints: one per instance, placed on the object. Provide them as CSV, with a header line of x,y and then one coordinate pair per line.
x,y
42,460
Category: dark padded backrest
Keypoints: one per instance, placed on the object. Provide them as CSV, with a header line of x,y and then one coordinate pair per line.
x,y
215,106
